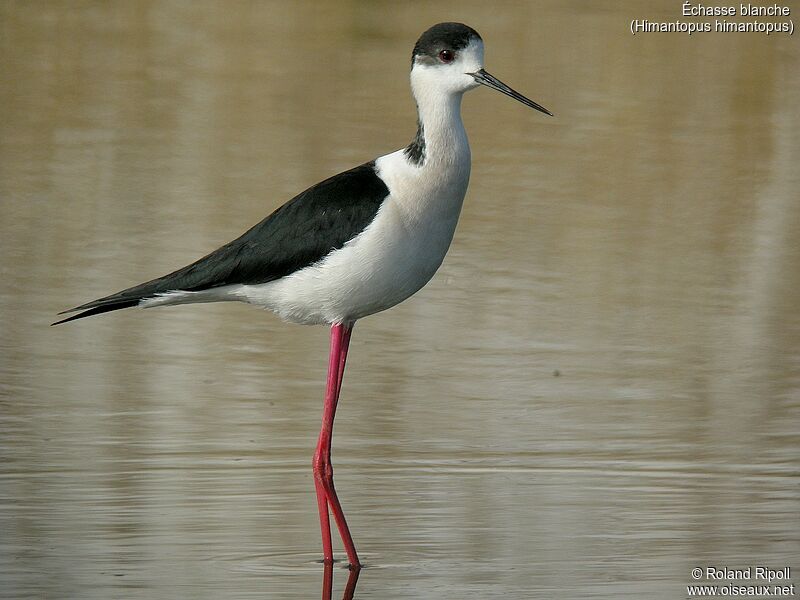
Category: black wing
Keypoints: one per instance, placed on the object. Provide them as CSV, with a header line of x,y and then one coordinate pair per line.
x,y
301,232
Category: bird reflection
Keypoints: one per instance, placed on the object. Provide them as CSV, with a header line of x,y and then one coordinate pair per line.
x,y
327,582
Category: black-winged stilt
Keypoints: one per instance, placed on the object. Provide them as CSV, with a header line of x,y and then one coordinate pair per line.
x,y
353,245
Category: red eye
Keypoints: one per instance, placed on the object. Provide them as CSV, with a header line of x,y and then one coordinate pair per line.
x,y
447,56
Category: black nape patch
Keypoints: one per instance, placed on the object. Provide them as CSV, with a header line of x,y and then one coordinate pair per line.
x,y
415,151
449,36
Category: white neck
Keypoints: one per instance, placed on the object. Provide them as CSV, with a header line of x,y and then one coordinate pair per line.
x,y
429,178
445,139
438,88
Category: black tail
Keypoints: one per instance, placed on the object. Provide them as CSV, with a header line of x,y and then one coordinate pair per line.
x,y
124,299
210,271
240,261
190,278
96,310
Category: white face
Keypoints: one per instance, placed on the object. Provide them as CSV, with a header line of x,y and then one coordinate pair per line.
x,y
450,71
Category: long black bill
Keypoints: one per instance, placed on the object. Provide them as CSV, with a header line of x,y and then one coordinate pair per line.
x,y
491,81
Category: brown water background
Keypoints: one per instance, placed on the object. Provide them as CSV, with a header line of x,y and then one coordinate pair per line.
x,y
598,392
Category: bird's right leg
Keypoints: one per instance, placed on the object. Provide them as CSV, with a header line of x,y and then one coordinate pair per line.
x,y
321,462
323,469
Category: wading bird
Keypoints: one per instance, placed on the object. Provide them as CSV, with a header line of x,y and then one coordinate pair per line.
x,y
353,245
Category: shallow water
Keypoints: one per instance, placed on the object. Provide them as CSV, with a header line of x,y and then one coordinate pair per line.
x,y
598,392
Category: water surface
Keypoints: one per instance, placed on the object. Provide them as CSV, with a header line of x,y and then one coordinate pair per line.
x,y
599,391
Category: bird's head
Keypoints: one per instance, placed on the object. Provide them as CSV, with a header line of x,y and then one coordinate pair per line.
x,y
448,60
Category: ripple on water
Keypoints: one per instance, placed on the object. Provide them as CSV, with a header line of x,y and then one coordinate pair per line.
x,y
287,563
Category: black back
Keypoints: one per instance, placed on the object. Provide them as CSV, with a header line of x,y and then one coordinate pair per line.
x,y
301,232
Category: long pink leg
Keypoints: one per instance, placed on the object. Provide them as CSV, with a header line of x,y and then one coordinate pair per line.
x,y
323,469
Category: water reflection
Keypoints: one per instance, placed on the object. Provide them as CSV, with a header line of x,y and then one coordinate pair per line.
x,y
349,588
